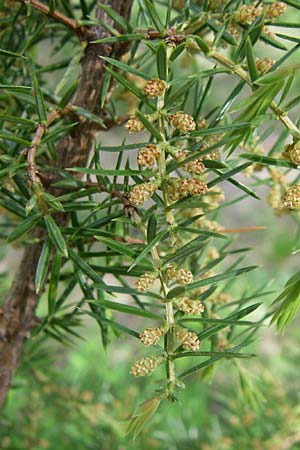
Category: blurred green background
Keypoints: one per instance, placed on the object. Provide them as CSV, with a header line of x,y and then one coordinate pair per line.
x,y
79,396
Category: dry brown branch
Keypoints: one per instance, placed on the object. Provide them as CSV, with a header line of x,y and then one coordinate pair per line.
x,y
41,129
113,192
242,230
56,15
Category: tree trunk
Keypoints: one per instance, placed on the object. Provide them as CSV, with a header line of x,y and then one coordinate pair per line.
x,y
17,316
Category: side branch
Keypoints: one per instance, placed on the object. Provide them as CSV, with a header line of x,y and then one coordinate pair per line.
x,y
242,74
41,129
56,15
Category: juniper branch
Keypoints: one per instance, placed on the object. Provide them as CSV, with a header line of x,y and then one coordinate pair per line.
x,y
17,316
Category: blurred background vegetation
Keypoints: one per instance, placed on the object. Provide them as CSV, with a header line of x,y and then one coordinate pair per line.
x,y
79,396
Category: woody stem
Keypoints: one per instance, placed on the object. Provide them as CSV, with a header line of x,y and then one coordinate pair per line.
x,y
241,73
169,311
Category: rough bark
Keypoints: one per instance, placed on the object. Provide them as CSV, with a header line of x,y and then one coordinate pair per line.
x,y
17,316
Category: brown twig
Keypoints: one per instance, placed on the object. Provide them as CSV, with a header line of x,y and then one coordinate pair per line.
x,y
41,129
111,123
242,230
56,15
128,240
113,192
32,172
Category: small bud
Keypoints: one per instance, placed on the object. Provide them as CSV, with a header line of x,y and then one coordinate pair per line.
x,y
151,336
181,276
248,13
190,307
144,283
141,193
189,339
183,187
183,122
173,193
213,156
292,153
155,88
264,65
291,200
134,125
195,166
145,366
171,221
196,187
234,30
172,272
148,155
184,277
181,155
275,10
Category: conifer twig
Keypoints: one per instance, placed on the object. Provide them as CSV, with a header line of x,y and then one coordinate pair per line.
x,y
56,15
41,129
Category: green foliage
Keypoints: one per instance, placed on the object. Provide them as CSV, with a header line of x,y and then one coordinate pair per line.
x,y
290,303
139,235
